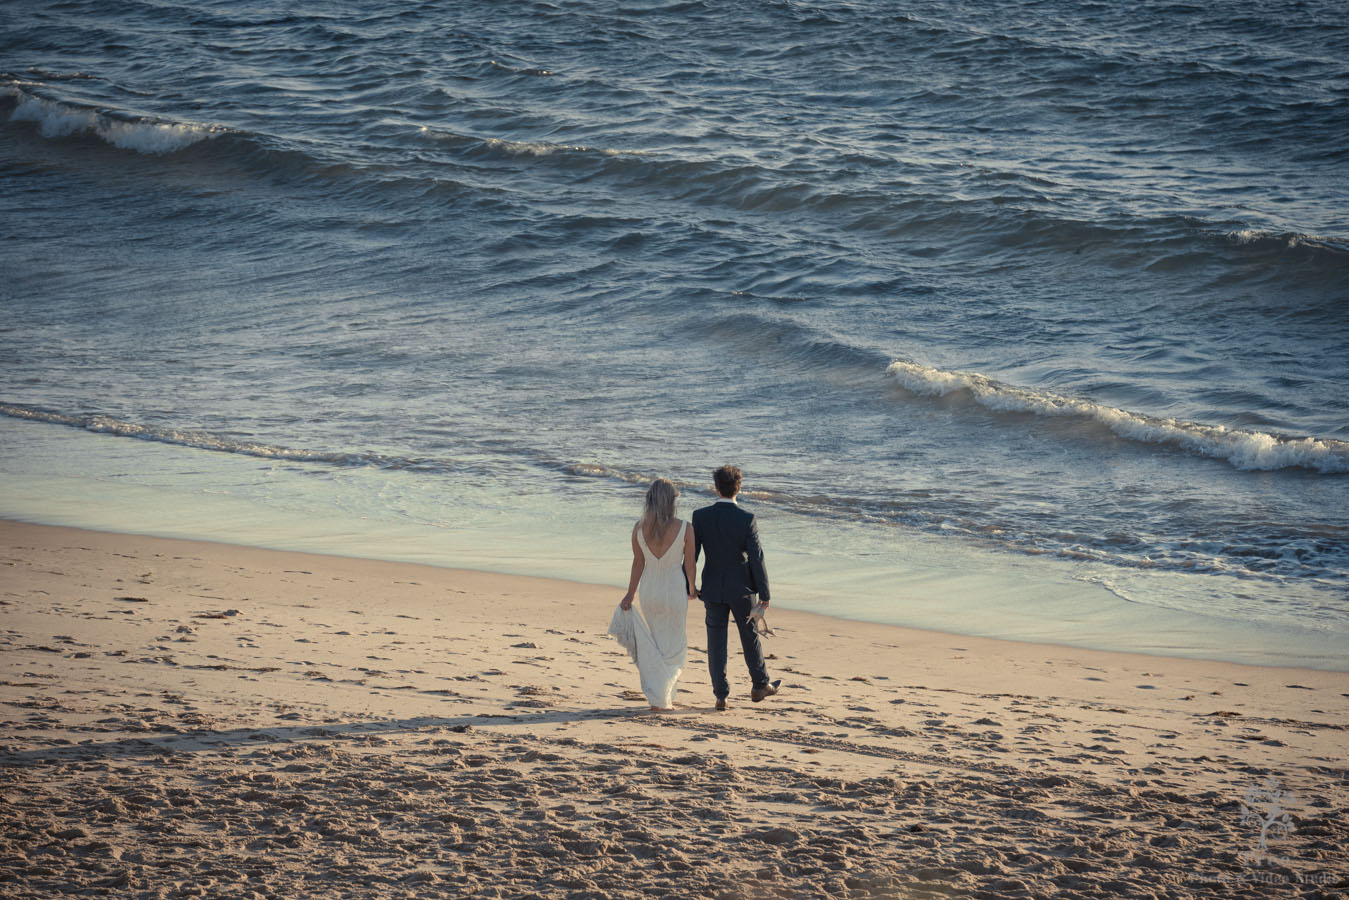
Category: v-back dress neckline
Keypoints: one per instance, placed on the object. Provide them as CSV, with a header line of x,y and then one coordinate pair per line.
x,y
660,557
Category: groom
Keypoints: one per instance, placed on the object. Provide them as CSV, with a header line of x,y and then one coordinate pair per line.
x,y
733,572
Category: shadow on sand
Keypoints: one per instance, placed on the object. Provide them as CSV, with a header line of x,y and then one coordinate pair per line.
x,y
189,740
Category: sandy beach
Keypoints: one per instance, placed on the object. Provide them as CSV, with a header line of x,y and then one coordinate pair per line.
x,y
191,719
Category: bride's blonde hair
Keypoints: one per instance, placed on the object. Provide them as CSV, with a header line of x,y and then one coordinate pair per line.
x,y
659,512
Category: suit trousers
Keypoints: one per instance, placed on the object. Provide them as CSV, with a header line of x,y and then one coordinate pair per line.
x,y
717,616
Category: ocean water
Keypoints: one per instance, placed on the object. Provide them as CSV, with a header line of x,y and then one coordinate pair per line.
x,y
1025,319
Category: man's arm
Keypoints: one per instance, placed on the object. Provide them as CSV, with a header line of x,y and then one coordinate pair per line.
x,y
697,537
754,558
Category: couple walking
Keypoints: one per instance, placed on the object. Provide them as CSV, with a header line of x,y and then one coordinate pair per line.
x,y
665,551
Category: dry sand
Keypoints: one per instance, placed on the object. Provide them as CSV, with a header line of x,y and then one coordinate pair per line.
x,y
190,719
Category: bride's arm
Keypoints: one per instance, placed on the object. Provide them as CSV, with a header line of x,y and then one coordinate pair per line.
x,y
690,566
638,564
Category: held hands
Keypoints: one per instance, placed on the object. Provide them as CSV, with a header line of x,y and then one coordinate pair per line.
x,y
626,602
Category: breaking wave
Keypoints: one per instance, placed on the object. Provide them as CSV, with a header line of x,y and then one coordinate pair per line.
x,y
141,135
1249,450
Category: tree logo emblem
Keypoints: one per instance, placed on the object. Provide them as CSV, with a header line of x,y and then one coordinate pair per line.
x,y
1266,806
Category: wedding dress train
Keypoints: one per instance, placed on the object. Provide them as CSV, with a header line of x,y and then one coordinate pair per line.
x,y
653,630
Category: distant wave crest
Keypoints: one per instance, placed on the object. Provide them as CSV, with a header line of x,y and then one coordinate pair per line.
x,y
142,135
201,440
1290,239
520,148
1249,450
1329,252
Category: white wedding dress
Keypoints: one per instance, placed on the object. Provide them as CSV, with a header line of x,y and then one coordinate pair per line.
x,y
653,630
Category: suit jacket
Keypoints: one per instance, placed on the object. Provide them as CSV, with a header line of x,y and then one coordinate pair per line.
x,y
734,567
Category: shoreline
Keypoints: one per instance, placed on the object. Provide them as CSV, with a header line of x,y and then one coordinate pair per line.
x,y
1010,581
193,715
577,530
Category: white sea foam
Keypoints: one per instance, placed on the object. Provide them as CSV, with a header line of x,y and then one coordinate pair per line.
x,y
1248,235
596,470
1256,235
527,148
547,148
1292,240
55,119
1252,450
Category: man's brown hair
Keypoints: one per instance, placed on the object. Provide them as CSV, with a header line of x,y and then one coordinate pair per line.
x,y
727,480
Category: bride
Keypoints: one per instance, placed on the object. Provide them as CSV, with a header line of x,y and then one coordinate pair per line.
x,y
662,578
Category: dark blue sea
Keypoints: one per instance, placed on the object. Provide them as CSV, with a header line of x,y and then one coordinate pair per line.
x,y
1027,319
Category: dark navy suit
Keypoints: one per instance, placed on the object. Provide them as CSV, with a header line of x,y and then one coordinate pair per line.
x,y
733,573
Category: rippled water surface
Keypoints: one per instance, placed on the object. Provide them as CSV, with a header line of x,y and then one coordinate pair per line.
x,y
1051,281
